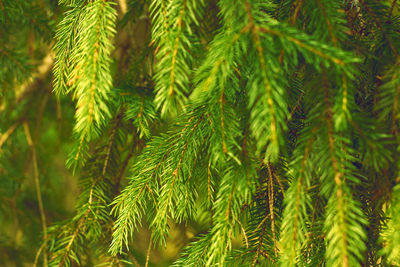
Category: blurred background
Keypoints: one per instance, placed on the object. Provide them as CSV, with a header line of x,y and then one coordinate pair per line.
x,y
36,131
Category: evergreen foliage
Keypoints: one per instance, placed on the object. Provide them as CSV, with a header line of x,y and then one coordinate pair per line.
x,y
260,132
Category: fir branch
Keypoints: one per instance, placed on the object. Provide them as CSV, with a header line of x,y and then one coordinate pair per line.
x,y
388,106
158,12
379,25
161,159
342,114
260,244
66,40
261,237
274,128
236,187
312,47
83,58
193,254
94,80
92,207
390,236
328,23
71,240
307,90
344,217
175,59
294,227
142,111
171,189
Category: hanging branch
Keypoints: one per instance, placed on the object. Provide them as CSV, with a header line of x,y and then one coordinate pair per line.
x,y
37,187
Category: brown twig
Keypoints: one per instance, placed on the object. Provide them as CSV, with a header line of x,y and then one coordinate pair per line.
x,y
123,6
111,141
59,114
271,205
296,12
6,135
148,254
124,166
392,8
37,186
32,84
38,254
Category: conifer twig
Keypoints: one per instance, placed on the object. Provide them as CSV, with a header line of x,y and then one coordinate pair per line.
x,y
260,243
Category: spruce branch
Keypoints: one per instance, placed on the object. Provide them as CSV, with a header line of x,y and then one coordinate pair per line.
x,y
294,222
268,128
368,8
328,23
344,217
226,213
390,235
83,63
66,40
94,82
274,129
92,208
174,56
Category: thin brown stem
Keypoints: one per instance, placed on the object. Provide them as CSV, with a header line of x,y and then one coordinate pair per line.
x,y
6,135
111,141
38,254
59,114
148,254
123,169
123,6
271,205
296,11
392,8
37,186
73,237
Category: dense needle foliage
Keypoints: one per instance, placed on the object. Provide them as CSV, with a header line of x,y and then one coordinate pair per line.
x,y
230,132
